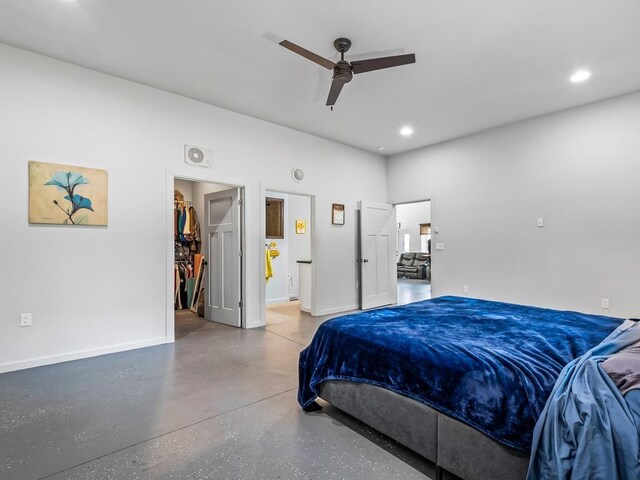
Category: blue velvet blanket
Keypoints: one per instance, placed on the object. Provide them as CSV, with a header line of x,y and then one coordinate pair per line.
x,y
491,365
588,429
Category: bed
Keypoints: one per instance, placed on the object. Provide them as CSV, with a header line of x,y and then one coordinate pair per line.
x,y
460,381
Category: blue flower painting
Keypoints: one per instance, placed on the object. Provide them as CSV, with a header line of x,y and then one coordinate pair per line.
x,y
69,181
67,195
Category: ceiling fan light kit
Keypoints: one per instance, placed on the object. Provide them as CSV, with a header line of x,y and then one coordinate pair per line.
x,y
343,71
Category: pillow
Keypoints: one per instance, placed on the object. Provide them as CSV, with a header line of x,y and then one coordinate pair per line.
x,y
624,368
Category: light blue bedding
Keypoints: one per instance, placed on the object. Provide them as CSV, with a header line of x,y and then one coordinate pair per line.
x,y
633,400
588,430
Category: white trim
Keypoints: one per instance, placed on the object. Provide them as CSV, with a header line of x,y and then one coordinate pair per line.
x,y
331,311
80,354
278,300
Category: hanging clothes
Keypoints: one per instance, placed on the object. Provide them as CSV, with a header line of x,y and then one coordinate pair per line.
x,y
196,239
176,299
187,223
176,214
181,222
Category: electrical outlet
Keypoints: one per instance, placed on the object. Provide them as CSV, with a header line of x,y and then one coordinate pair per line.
x,y
25,319
540,222
439,246
605,303
465,289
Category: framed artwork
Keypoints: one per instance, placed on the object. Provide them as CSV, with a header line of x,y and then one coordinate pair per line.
x,y
67,195
301,227
274,217
337,214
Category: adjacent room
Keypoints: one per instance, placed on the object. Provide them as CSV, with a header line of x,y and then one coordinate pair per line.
x,y
353,240
414,251
288,259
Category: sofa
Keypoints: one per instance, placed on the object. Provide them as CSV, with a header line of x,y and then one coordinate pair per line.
x,y
414,265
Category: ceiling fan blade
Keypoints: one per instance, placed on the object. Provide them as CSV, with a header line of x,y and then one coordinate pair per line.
x,y
363,66
328,64
336,88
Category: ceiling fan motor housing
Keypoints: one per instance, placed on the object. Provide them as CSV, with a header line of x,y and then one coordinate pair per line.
x,y
342,72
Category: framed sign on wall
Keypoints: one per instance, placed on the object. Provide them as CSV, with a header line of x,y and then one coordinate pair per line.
x,y
337,214
274,227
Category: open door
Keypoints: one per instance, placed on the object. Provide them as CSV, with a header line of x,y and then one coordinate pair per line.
x,y
378,278
223,253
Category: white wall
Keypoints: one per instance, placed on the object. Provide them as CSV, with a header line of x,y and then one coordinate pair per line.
x,y
185,187
94,290
579,169
410,216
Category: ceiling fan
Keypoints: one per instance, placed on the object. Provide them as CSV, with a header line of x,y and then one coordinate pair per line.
x,y
343,71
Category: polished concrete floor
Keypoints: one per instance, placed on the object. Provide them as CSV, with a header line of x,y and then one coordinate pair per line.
x,y
220,403
411,290
186,322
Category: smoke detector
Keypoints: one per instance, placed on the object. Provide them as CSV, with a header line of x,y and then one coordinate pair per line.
x,y
297,174
197,156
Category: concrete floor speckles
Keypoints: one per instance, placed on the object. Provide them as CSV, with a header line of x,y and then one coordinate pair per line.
x,y
218,404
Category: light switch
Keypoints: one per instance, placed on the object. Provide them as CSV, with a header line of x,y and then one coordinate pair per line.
x,y
605,303
436,230
439,246
540,222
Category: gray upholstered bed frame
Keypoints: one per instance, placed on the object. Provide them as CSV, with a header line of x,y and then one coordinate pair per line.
x,y
452,445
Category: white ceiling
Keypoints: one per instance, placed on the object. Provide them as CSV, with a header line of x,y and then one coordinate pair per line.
x,y
479,63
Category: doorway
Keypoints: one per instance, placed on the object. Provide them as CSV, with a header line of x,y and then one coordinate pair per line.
x,y
288,250
207,241
413,230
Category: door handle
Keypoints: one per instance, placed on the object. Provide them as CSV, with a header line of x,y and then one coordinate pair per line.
x,y
365,260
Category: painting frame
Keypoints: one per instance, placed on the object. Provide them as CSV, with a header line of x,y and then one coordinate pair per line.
x,y
337,214
301,227
274,218
67,195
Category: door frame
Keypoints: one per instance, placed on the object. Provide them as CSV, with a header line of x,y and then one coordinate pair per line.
x,y
428,198
263,233
170,251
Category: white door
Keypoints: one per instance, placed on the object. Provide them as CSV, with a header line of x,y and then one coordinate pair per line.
x,y
223,253
378,275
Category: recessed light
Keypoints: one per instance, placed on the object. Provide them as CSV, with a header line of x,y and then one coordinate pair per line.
x,y
381,148
406,131
580,76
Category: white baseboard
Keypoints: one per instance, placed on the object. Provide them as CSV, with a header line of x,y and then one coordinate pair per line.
x,y
77,355
331,311
277,300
